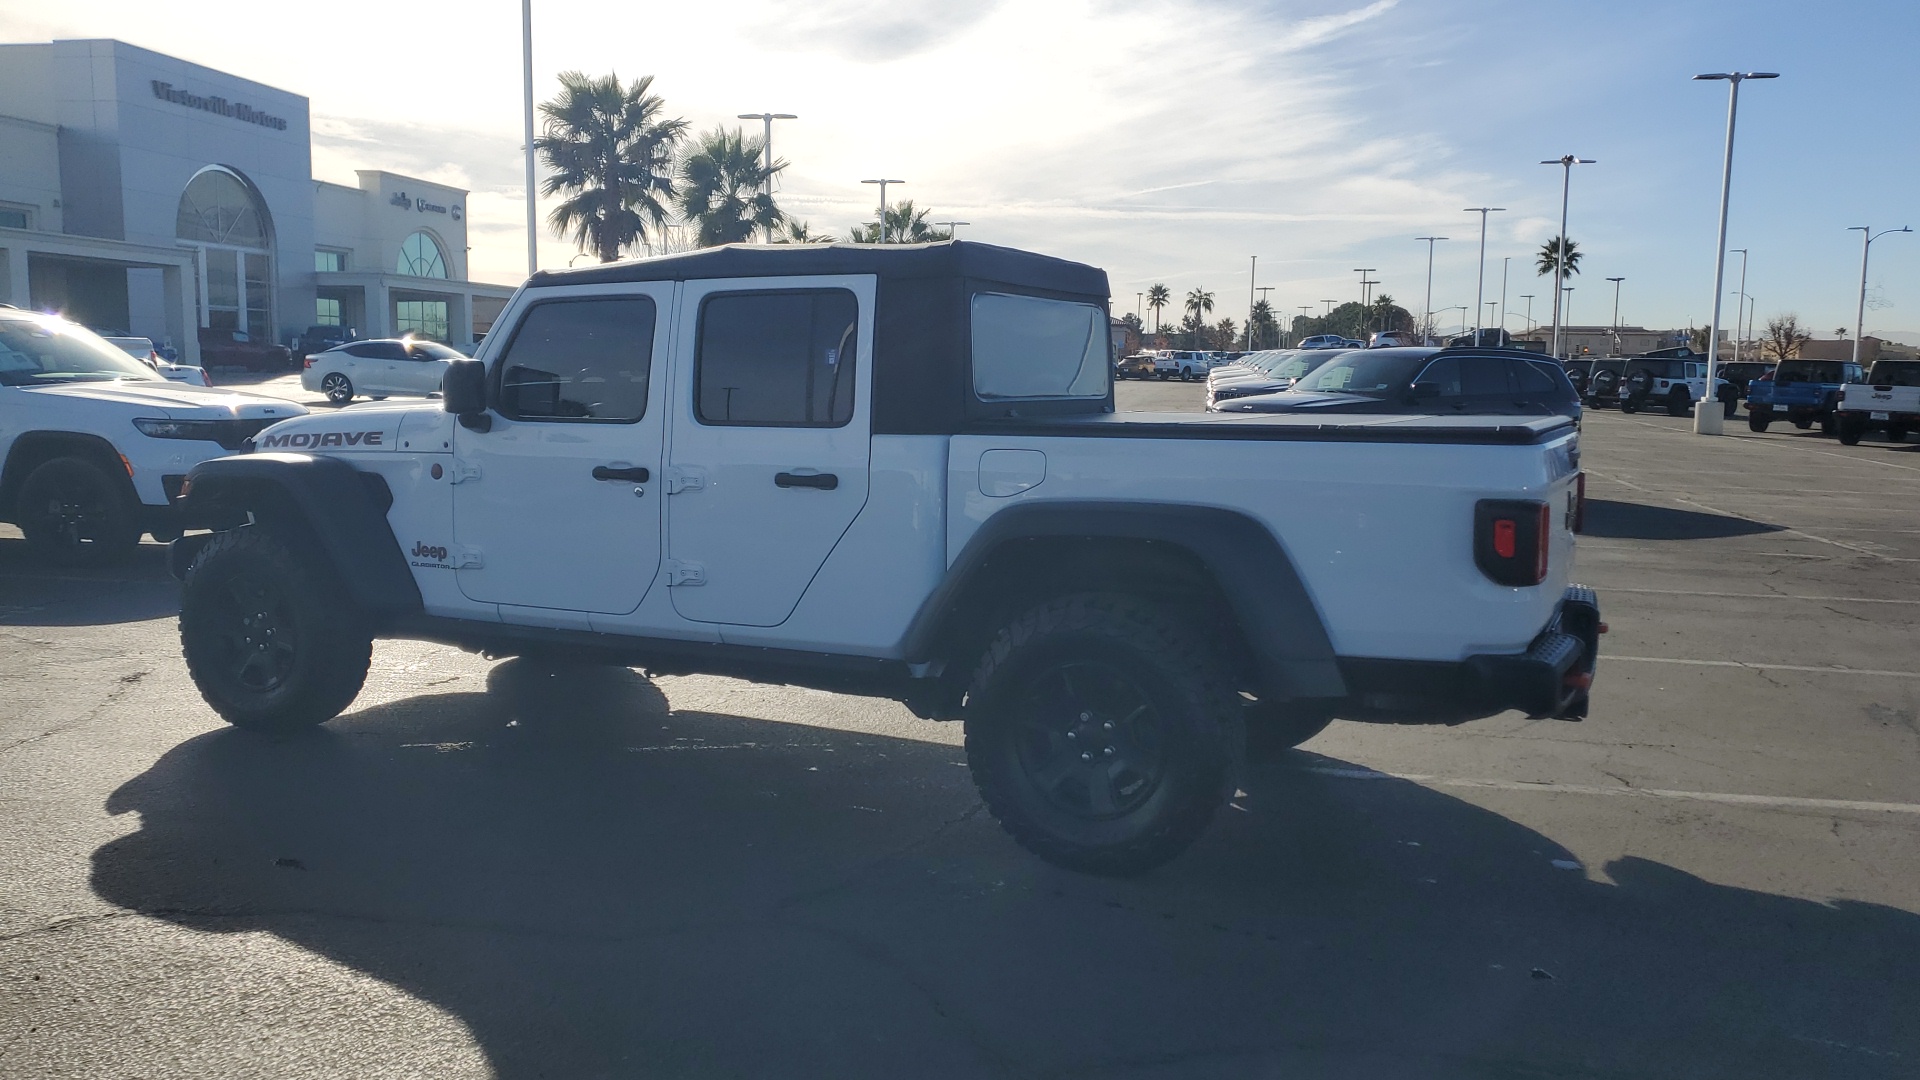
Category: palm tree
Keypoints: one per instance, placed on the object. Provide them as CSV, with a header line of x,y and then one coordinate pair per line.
x,y
1158,296
726,190
609,150
1263,332
905,225
1199,305
800,232
1550,258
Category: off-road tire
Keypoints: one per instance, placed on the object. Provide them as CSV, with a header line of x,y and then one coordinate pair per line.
x,y
73,512
1758,417
1275,728
250,572
1629,405
1132,675
1679,402
1729,403
1803,425
337,387
1850,431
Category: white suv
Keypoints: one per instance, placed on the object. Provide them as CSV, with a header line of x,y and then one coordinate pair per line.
x,y
96,445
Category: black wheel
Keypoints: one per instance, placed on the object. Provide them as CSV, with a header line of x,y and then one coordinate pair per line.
x,y
166,534
1273,729
1828,425
1679,403
1758,419
75,513
1801,423
1629,405
338,388
1186,374
1729,403
1102,733
1850,431
267,637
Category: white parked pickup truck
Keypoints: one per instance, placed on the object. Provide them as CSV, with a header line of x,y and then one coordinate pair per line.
x,y
897,471
1888,401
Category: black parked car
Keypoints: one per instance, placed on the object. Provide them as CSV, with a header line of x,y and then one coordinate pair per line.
x,y
1427,381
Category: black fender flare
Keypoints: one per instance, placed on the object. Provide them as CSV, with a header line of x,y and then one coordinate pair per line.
x,y
343,514
1282,626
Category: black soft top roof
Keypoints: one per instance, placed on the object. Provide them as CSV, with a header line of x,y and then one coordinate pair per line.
x,y
946,259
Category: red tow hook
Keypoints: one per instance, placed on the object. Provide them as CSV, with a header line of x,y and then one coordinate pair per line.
x,y
1577,680
1603,628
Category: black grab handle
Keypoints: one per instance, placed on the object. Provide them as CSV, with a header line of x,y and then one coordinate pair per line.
x,y
825,481
635,475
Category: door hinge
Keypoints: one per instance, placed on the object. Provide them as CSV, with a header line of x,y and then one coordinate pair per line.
x,y
468,558
464,473
685,573
679,480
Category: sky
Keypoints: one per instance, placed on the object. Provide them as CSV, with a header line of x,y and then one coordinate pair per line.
x,y
1169,141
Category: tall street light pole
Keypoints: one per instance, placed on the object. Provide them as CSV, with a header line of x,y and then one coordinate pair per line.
x,y
1480,284
1365,286
1306,312
1426,306
766,148
1251,289
1867,237
1616,311
1528,297
1503,293
1739,306
883,203
1708,421
1566,163
526,56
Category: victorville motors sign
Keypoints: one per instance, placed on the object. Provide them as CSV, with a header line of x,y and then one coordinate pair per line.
x,y
219,106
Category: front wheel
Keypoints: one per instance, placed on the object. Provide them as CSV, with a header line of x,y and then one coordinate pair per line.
x,y
268,638
338,388
1102,734
1629,405
75,513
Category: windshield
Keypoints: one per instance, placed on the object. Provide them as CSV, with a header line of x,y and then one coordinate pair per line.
x,y
1895,373
1817,371
1375,374
39,349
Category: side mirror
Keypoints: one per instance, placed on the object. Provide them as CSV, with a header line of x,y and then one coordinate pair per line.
x,y
463,392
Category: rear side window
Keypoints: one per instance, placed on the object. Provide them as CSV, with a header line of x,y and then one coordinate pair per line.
x,y
586,359
1485,376
1030,347
777,359
1533,380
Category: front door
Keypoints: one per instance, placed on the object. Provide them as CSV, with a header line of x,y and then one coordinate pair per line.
x,y
558,505
768,462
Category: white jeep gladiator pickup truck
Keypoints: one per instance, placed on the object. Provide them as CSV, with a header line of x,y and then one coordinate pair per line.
x,y
1888,400
897,471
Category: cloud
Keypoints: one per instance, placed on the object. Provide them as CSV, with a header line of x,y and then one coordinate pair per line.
x,y
869,30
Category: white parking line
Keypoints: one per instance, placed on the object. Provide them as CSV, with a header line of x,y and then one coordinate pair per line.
x,y
1765,596
1818,670
1645,793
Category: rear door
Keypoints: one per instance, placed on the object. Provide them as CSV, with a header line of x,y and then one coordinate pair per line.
x,y
768,453
554,505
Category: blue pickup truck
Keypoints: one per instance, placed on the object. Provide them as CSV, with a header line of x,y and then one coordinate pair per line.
x,y
1802,391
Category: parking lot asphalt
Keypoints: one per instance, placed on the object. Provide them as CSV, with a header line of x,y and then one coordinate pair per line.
x,y
500,869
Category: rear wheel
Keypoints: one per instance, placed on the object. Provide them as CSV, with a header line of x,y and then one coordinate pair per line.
x,y
1679,403
1629,405
1850,431
267,637
1729,402
1802,423
75,513
338,388
1828,425
1102,733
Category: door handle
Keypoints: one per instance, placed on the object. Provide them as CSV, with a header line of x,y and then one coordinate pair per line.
x,y
634,476
825,481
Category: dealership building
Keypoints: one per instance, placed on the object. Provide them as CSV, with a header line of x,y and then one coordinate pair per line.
x,y
145,194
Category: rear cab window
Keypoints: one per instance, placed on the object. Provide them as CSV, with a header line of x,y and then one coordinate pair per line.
x,y
1031,348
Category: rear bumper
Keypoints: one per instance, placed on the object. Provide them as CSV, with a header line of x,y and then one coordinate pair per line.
x,y
1553,678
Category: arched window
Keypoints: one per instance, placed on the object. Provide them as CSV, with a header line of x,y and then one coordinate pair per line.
x,y
223,216
420,257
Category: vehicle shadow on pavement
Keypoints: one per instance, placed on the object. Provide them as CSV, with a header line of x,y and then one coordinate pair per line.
x,y
597,885
34,592
1640,521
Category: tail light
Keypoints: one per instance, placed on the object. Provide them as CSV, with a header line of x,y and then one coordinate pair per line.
x,y
1511,540
308,362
